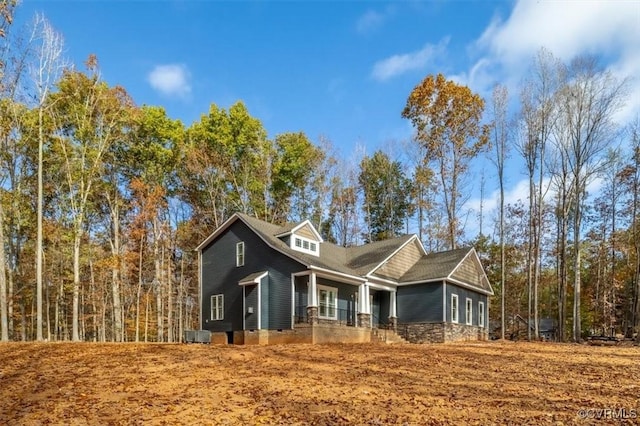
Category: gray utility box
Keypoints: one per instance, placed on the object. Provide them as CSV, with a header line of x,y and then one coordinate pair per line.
x,y
197,336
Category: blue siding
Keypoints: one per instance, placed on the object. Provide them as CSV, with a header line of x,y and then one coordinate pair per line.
x,y
251,301
220,276
463,294
419,303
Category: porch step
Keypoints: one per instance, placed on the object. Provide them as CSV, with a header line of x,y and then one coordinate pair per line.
x,y
386,336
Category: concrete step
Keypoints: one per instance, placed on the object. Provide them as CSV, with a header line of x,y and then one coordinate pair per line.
x,y
386,336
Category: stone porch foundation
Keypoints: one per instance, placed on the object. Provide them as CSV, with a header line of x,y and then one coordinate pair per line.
x,y
439,332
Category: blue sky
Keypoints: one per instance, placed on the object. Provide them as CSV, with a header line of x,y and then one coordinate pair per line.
x,y
337,69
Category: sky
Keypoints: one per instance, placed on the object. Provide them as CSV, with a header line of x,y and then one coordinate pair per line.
x,y
338,70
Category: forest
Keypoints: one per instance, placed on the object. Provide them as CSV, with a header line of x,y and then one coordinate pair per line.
x,y
102,200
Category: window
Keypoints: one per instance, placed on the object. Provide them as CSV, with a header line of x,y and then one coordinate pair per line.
x,y
454,308
240,254
481,314
469,312
327,302
217,307
304,245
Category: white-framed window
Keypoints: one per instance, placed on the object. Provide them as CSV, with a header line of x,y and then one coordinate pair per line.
x,y
217,307
327,302
469,311
454,308
481,314
304,245
240,254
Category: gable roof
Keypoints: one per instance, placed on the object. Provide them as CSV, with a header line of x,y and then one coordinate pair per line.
x,y
440,266
359,261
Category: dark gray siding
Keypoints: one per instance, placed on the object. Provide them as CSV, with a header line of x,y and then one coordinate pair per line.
x,y
463,294
419,303
264,303
220,276
251,301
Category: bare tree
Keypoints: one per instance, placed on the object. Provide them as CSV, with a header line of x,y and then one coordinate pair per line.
x,y
500,132
588,101
539,113
44,71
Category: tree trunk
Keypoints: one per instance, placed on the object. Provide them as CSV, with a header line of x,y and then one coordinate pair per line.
x,y
4,314
75,334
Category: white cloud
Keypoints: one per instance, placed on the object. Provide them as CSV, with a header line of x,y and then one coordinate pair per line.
x,y
170,80
402,63
369,21
607,29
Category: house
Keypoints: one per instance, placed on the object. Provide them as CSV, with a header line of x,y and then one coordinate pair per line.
x,y
264,283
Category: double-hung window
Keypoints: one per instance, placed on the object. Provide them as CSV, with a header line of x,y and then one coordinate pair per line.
x,y
454,308
217,307
240,254
469,311
481,314
327,302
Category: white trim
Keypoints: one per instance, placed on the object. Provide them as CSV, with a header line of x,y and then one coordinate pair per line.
x,y
293,301
414,237
457,305
468,311
256,280
200,302
218,231
259,307
372,278
329,273
240,253
335,307
481,314
303,240
211,313
377,286
244,308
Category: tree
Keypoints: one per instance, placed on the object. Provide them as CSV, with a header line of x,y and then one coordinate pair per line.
x,y
446,117
292,167
538,98
44,72
589,99
500,132
90,118
386,196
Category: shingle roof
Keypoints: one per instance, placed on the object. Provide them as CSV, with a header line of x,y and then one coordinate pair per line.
x,y
435,265
360,260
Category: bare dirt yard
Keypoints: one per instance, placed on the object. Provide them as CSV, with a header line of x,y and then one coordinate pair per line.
x,y
376,384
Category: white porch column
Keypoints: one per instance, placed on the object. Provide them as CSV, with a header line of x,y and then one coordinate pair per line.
x,y
363,299
312,296
392,304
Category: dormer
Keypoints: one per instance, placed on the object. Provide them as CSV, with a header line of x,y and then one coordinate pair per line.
x,y
303,238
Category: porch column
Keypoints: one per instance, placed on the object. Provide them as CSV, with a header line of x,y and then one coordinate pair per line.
x,y
312,300
364,314
393,318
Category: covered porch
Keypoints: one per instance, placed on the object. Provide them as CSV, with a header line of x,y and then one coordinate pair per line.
x,y
321,298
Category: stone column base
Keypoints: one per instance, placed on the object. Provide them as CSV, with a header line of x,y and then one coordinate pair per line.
x,y
393,324
364,320
312,314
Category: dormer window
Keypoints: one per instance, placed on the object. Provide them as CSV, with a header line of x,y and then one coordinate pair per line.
x,y
304,245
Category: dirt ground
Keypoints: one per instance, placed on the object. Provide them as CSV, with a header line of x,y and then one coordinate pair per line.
x,y
376,384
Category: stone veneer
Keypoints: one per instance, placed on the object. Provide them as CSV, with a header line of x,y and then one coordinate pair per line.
x,y
364,320
438,332
312,315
